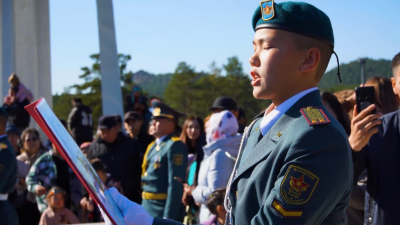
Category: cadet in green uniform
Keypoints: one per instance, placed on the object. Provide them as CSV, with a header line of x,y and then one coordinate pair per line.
x,y
8,174
294,165
164,166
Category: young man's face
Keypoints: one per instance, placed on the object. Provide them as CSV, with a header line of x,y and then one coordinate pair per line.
x,y
133,126
396,82
274,64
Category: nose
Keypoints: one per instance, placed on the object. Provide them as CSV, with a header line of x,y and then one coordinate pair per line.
x,y
254,60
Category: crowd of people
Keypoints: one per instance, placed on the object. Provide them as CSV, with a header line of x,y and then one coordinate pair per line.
x,y
192,175
47,189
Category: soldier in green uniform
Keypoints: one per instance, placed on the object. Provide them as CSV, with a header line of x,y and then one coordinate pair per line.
x,y
8,174
294,165
164,167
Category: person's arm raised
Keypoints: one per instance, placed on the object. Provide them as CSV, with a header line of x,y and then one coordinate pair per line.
x,y
363,126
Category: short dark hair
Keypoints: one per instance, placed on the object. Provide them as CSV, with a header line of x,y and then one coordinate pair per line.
x,y
77,100
216,199
395,63
303,42
98,165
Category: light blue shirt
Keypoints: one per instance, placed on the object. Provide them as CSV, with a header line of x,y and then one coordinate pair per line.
x,y
159,140
270,119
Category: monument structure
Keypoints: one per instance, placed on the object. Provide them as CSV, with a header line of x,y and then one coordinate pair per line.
x,y
25,50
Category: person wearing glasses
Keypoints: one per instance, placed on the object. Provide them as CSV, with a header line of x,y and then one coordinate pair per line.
x,y
51,170
23,200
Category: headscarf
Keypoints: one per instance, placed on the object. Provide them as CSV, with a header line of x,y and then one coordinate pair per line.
x,y
221,125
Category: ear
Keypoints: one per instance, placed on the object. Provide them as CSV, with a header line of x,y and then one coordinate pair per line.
x,y
394,86
311,60
221,210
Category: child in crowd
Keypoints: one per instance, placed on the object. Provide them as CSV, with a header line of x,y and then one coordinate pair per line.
x,y
215,204
56,213
84,147
22,92
91,212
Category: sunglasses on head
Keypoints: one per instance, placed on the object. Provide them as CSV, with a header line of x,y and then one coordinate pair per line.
x,y
31,139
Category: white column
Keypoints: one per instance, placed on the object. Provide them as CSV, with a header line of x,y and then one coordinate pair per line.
x,y
7,45
110,74
32,46
32,49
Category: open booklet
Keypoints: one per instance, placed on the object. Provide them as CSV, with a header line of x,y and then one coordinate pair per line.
x,y
59,136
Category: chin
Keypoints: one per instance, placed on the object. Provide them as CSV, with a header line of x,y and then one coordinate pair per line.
x,y
258,94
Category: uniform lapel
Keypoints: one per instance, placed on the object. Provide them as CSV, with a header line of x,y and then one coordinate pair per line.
x,y
258,152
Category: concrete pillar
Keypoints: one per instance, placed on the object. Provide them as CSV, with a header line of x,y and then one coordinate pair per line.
x,y
110,74
32,46
7,55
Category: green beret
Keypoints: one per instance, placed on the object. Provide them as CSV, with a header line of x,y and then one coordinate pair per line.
x,y
297,17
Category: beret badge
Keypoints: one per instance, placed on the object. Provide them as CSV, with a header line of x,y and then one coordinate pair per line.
x,y
267,9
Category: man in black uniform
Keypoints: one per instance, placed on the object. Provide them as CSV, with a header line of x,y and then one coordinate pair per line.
x,y
8,174
120,154
80,122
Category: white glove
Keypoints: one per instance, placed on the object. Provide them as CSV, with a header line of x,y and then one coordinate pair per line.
x,y
132,212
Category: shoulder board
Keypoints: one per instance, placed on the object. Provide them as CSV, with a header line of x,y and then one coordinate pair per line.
x,y
314,116
3,146
175,139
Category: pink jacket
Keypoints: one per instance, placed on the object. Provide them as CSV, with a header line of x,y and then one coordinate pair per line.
x,y
24,93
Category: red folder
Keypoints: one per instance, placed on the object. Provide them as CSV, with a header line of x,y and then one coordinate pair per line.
x,y
66,146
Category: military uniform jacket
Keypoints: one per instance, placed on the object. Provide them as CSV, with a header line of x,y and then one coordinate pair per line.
x,y
161,164
8,179
300,172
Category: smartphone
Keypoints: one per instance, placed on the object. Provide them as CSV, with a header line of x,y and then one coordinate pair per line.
x,y
365,96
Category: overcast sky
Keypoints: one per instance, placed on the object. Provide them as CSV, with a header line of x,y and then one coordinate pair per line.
x,y
159,34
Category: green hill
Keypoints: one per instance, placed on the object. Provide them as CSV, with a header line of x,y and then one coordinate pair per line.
x,y
351,74
153,85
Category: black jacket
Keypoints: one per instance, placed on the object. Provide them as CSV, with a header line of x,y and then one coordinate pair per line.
x,y
123,161
17,114
80,122
381,158
144,139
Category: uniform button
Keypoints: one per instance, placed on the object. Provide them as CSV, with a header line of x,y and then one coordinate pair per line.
x,y
145,174
370,219
235,172
236,194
